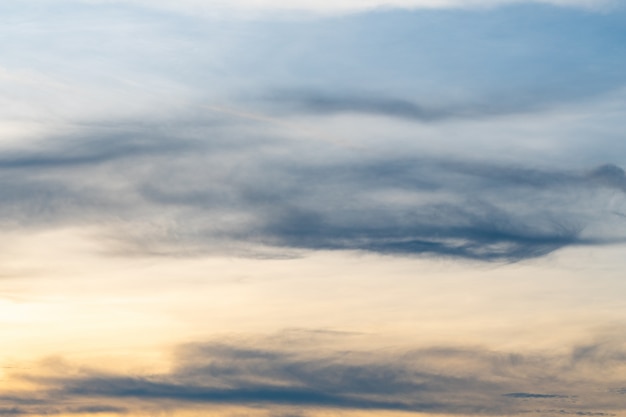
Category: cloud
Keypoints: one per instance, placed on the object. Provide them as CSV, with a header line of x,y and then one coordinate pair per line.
x,y
188,177
436,65
320,103
269,372
14,411
529,395
90,410
218,187
610,175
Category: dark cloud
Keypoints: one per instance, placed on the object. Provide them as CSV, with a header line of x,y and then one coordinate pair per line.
x,y
488,234
331,104
52,410
321,103
530,395
13,411
91,151
297,371
96,409
610,176
569,412
288,415
111,387
204,187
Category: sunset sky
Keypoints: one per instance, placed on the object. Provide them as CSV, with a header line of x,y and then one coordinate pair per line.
x,y
313,208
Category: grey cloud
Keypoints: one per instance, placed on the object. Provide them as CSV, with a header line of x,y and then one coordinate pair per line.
x,y
575,413
476,235
270,374
288,415
530,395
96,409
207,187
95,149
610,176
54,410
12,411
321,103
330,104
112,387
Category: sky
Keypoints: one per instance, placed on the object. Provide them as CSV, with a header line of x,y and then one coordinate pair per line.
x,y
312,208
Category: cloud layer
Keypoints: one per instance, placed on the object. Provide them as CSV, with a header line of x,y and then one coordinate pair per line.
x,y
310,374
199,188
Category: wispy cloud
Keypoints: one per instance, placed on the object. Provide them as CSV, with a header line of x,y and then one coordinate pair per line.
x,y
445,379
324,104
530,395
213,191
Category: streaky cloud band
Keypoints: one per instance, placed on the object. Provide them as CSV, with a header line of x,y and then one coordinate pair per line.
x,y
256,373
213,192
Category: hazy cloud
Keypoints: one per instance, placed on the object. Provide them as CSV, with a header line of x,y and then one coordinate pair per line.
x,y
329,104
166,170
452,380
212,186
529,395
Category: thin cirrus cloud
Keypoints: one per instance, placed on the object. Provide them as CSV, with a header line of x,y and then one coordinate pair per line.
x,y
524,56
409,65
